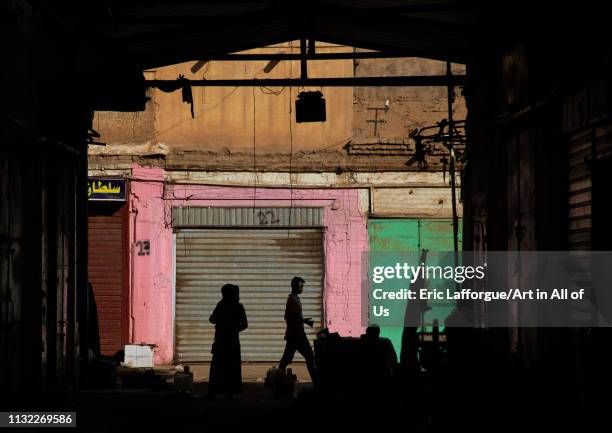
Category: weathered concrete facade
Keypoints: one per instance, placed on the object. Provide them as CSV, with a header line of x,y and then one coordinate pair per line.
x,y
151,202
244,148
254,129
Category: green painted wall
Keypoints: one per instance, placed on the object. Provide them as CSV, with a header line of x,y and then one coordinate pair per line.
x,y
393,235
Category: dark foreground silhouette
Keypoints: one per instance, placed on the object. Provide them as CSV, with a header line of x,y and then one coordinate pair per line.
x,y
229,319
295,335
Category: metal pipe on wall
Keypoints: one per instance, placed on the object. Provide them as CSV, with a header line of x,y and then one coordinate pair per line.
x,y
411,81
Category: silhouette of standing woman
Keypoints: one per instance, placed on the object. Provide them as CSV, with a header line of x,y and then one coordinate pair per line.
x,y
229,319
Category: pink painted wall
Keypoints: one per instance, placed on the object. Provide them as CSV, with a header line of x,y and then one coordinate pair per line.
x,y
151,203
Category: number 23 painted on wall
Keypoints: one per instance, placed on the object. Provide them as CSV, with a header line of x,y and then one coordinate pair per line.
x,y
143,247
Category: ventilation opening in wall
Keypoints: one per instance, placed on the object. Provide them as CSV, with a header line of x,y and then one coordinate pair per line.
x,y
310,107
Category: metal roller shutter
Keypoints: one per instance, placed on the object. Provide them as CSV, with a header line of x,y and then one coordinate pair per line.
x,y
580,192
107,272
262,262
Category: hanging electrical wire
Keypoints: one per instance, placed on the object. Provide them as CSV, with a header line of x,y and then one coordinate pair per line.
x,y
267,91
254,156
290,146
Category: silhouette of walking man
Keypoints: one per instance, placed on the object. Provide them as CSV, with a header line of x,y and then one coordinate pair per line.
x,y
295,335
229,319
